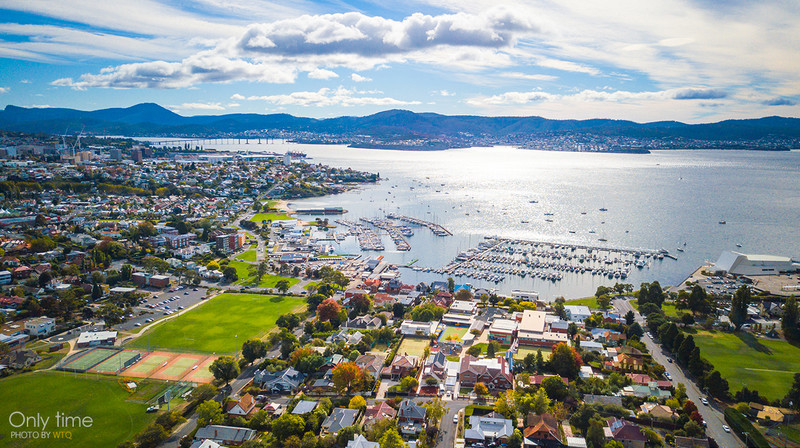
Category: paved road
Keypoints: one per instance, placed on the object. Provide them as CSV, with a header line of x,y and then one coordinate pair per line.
x,y
447,429
711,413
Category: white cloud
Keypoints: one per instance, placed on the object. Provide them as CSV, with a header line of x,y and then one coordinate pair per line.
x,y
446,93
24,81
196,106
237,97
531,77
358,78
4,89
326,97
274,52
321,73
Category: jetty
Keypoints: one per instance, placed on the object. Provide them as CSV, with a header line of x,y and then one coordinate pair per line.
x,y
367,238
394,231
435,228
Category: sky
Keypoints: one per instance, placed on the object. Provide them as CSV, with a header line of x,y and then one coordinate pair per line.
x,y
692,61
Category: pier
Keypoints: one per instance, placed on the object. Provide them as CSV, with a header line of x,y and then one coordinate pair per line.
x,y
435,228
367,238
395,232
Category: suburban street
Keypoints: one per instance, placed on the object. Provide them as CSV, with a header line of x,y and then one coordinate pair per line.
x,y
711,413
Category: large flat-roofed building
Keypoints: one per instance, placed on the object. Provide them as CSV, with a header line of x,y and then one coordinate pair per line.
x,y
534,330
95,338
503,330
40,326
736,263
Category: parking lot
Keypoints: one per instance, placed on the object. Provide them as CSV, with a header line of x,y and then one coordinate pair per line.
x,y
163,304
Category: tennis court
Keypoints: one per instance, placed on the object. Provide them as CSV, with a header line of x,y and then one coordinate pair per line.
x,y
149,364
117,362
201,374
179,367
89,359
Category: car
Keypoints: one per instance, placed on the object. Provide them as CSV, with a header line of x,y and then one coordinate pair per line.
x,y
669,360
704,401
137,324
186,293
166,313
203,298
148,320
668,376
152,409
455,419
726,428
180,307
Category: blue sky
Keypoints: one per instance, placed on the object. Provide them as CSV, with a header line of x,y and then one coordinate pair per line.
x,y
692,61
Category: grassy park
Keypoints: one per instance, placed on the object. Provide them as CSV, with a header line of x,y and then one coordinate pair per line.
x,y
458,332
765,365
221,325
248,279
114,419
248,255
261,217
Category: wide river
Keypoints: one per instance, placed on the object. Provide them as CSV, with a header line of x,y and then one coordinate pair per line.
x,y
667,199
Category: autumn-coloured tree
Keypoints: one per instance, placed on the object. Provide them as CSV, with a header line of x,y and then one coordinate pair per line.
x,y
299,354
347,377
328,309
481,389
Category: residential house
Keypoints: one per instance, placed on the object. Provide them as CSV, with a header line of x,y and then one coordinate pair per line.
x,y
349,339
304,407
339,418
628,434
611,338
577,313
286,380
205,443
651,390
464,307
40,326
770,414
402,365
494,373
361,442
411,417
377,412
364,322
372,364
659,411
488,428
434,369
225,435
541,430
22,359
244,407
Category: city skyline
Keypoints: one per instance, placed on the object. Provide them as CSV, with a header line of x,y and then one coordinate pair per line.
x,y
686,61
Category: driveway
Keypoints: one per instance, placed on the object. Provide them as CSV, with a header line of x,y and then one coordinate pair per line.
x,y
713,412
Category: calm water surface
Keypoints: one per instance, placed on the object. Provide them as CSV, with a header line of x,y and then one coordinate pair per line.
x,y
667,199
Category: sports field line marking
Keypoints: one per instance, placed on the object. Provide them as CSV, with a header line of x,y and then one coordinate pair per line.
x,y
769,370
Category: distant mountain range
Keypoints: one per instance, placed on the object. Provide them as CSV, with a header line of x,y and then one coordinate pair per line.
x,y
149,119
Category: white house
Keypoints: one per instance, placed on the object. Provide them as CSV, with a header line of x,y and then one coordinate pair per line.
x,y
411,328
577,313
40,326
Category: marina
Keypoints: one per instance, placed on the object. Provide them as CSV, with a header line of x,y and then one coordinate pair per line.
x,y
367,238
394,231
435,228
497,258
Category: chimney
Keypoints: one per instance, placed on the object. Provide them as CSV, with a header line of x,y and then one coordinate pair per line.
x,y
215,433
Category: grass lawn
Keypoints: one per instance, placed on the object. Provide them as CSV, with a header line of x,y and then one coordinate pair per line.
x,y
523,351
248,255
453,331
765,365
591,302
413,346
667,307
114,418
260,217
221,325
501,352
311,285
267,281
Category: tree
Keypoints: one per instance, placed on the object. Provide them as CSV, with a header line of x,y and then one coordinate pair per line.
x,y
253,349
203,392
4,349
357,402
506,404
789,318
685,350
716,385
408,384
555,387
229,274
515,440
126,272
451,284
539,360
739,304
294,442
491,348
347,377
792,398
540,401
314,300
328,309
152,436
347,434
629,317
480,389
391,439
687,319
613,444
654,294
435,411
282,286
698,299
565,361
398,310
474,351
209,412
288,425
594,435
225,368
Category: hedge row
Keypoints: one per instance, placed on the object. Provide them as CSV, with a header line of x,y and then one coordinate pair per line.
x,y
740,425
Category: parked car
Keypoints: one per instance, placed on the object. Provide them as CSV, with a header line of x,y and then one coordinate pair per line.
x,y
726,428
455,419
704,401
